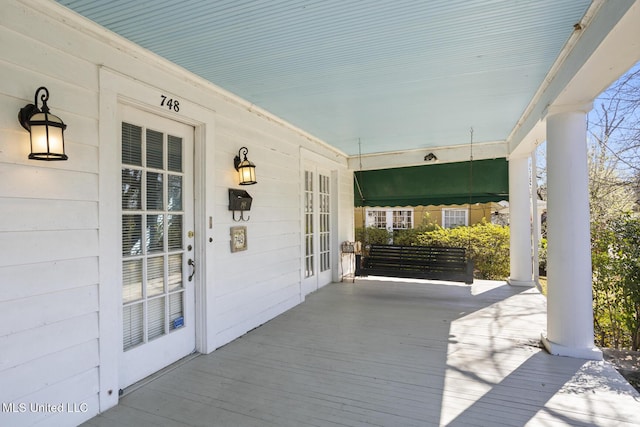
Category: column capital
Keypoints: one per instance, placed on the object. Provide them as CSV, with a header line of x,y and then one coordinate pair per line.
x,y
552,110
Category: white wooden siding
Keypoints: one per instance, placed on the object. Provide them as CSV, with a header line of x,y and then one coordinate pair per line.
x,y
54,300
49,238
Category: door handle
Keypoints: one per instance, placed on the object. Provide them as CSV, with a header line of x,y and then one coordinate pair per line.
x,y
192,263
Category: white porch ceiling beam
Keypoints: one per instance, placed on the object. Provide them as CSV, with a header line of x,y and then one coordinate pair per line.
x,y
456,153
606,46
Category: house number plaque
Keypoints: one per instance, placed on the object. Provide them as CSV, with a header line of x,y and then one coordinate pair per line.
x,y
170,103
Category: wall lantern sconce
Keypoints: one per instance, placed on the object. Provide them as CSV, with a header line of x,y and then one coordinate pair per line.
x,y
246,169
430,157
46,130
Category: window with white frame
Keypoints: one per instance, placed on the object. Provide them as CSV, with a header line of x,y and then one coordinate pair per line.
x,y
402,220
390,219
378,219
454,217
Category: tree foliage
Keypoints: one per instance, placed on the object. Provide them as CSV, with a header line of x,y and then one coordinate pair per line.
x,y
615,121
615,254
614,178
614,131
611,192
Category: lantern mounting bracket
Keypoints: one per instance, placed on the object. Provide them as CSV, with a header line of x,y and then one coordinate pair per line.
x,y
237,160
25,114
29,110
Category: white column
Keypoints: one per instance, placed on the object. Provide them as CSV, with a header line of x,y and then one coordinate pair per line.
x,y
521,261
535,219
569,300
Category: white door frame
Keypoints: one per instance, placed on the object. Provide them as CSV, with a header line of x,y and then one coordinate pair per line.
x,y
153,355
310,161
118,89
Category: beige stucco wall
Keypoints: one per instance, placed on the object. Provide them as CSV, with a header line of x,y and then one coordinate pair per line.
x,y
477,213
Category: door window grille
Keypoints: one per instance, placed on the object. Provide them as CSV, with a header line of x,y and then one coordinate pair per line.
x,y
152,230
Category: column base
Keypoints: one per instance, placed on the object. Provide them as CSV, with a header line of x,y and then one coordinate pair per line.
x,y
592,353
522,283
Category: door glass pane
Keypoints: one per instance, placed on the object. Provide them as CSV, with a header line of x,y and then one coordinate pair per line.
x,y
131,280
131,234
156,317
325,217
175,272
155,191
309,258
155,233
155,276
155,157
176,310
131,189
175,193
131,144
175,154
175,231
309,219
132,323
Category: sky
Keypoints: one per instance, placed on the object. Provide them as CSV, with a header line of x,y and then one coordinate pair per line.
x,y
593,118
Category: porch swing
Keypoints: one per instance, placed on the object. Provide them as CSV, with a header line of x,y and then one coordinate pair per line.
x,y
419,262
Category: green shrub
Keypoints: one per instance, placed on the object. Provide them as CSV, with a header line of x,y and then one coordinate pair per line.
x,y
372,236
409,237
542,257
487,246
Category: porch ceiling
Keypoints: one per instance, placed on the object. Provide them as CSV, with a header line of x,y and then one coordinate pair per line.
x,y
395,75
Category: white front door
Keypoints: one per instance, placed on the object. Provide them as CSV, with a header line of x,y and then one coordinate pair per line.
x,y
158,320
317,200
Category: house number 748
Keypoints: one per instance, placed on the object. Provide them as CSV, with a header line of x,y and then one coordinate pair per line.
x,y
170,103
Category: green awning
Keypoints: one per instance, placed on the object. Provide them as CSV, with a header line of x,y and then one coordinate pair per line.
x,y
480,181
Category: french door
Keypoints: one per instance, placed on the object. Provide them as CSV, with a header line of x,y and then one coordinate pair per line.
x,y
158,265
317,232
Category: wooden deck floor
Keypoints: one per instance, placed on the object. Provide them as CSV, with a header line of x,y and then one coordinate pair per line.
x,y
389,353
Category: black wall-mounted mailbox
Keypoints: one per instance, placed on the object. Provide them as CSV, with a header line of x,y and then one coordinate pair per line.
x,y
239,200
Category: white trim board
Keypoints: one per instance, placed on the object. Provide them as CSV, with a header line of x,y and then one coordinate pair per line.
x,y
116,89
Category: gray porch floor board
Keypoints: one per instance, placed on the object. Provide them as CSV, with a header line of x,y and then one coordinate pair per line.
x,y
389,353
